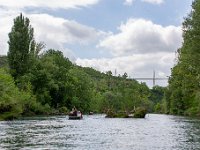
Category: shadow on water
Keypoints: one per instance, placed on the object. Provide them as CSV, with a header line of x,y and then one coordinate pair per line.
x,y
96,132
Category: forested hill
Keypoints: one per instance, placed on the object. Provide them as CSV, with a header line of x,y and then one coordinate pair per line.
x,y
55,85
35,83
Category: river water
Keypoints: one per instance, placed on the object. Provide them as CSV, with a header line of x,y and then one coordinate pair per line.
x,y
95,132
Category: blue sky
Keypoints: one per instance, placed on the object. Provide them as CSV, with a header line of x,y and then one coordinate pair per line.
x,y
133,36
108,14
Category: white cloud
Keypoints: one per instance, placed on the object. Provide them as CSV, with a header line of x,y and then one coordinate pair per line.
x,y
143,36
61,31
53,31
139,65
131,64
5,23
130,2
154,1
69,54
53,4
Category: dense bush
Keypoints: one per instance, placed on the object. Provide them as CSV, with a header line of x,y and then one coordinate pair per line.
x,y
140,112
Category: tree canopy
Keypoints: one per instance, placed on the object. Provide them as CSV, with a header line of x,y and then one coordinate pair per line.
x,y
183,95
21,46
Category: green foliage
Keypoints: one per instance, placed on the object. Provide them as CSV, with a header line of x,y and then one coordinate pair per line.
x,y
184,83
21,46
118,94
157,108
50,80
112,100
14,103
106,92
125,75
140,112
113,114
157,94
10,102
3,61
96,102
82,89
63,110
157,99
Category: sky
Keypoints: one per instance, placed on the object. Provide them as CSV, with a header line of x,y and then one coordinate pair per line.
x,y
132,36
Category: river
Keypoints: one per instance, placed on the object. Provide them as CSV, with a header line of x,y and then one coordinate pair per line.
x,y
95,132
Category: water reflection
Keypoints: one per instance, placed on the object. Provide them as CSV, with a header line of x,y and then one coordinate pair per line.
x,y
162,132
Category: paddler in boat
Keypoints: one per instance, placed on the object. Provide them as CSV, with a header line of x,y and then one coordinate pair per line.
x,y
74,111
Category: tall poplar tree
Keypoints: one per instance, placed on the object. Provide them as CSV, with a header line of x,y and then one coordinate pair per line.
x,y
21,46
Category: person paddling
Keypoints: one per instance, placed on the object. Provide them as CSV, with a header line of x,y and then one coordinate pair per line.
x,y
74,110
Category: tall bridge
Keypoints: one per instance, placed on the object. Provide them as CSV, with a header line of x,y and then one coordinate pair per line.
x,y
153,79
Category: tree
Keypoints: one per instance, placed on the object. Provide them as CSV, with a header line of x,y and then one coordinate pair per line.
x,y
21,46
3,61
184,83
81,89
13,102
10,106
49,78
125,75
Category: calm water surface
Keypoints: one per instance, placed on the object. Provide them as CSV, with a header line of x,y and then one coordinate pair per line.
x,y
155,132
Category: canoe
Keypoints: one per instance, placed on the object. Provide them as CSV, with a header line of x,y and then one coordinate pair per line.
x,y
76,115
